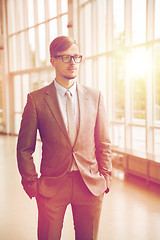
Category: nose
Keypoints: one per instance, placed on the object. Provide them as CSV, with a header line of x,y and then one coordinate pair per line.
x,y
72,61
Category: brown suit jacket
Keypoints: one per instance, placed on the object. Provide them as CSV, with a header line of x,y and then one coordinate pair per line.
x,y
91,151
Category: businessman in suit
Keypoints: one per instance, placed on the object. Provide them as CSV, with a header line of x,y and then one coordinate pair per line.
x,y
76,149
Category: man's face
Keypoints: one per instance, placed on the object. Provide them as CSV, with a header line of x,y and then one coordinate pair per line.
x,y
66,71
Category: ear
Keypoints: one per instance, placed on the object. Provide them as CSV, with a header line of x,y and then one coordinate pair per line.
x,y
52,61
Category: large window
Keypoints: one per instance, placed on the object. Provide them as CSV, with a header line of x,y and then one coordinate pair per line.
x,y
121,45
120,41
138,21
118,23
32,25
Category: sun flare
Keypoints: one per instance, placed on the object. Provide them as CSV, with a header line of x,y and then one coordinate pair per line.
x,y
137,63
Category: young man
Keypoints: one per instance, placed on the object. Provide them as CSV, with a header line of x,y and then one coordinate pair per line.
x,y
76,153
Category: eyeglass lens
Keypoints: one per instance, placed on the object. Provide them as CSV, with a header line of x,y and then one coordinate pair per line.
x,y
67,59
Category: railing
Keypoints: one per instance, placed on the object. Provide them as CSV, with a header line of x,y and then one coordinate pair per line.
x,y
146,166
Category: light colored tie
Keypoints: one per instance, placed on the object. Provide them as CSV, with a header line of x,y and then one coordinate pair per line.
x,y
70,118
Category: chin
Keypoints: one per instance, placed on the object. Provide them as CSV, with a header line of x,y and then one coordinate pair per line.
x,y
70,77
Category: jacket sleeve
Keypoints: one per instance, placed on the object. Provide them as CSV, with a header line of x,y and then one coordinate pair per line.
x,y
26,147
103,144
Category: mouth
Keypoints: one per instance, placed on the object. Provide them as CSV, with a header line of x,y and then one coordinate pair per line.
x,y
72,69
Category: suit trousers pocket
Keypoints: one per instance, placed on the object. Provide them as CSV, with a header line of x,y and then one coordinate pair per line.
x,y
50,186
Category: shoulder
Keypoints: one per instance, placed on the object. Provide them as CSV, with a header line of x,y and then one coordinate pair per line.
x,y
92,95
42,91
88,90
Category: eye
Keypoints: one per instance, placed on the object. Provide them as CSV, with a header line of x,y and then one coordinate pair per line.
x,y
66,58
77,58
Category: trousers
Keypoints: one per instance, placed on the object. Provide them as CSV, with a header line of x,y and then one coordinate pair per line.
x,y
86,209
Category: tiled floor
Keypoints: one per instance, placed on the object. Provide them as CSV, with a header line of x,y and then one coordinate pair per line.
x,y
131,211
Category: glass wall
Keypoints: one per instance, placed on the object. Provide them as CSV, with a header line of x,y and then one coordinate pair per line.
x,y
120,41
32,25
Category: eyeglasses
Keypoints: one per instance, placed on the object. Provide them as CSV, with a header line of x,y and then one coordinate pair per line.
x,y
68,58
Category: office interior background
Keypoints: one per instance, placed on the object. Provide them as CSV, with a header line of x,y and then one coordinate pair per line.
x,y
120,44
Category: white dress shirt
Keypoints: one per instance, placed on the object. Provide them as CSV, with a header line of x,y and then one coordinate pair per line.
x,y
62,99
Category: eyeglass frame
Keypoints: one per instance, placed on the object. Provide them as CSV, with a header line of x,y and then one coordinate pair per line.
x,y
71,57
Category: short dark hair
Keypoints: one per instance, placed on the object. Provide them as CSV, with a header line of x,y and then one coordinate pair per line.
x,y
60,44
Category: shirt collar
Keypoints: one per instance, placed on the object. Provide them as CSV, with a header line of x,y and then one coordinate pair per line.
x,y
73,89
61,90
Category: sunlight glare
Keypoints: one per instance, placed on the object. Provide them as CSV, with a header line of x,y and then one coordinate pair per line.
x,y
137,63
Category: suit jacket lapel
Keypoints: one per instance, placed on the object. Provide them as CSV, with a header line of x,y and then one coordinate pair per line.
x,y
52,100
82,98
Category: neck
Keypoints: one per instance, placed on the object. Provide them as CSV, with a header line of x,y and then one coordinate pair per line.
x,y
66,83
